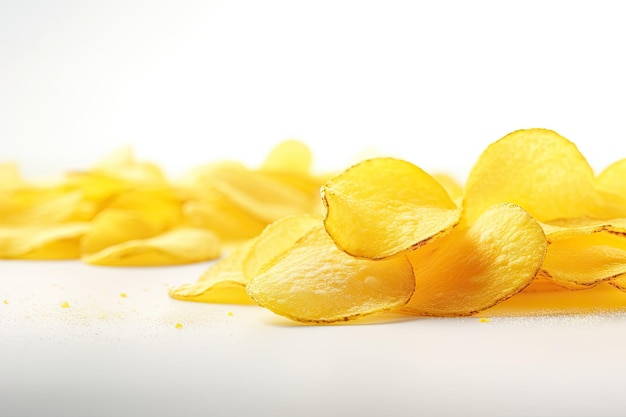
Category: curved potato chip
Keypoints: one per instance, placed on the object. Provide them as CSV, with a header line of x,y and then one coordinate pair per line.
x,y
315,282
586,259
385,206
178,246
31,206
261,195
223,282
275,239
451,185
42,242
112,227
121,164
474,268
216,212
537,169
290,156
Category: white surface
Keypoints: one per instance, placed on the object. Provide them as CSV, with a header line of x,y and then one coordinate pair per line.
x,y
111,356
187,83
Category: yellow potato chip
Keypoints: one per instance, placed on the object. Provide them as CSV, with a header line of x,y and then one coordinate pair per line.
x,y
536,169
223,282
31,206
177,246
474,268
121,164
315,282
275,239
291,157
384,206
43,242
216,212
586,259
452,187
112,227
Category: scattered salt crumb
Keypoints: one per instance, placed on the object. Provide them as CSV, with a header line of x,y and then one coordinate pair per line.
x,y
123,294
179,326
484,320
230,314
65,304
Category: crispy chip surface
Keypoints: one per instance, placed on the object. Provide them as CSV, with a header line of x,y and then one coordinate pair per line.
x,y
315,282
474,268
385,206
537,169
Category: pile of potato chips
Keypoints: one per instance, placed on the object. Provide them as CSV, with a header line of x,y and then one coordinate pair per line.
x,y
126,213
532,218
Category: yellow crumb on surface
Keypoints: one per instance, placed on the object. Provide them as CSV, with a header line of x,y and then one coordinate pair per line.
x,y
484,320
5,301
179,326
123,294
230,314
65,304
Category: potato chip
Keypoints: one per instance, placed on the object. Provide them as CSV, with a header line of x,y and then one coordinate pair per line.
x,y
215,212
177,246
315,282
275,239
586,259
290,157
122,165
42,242
452,187
223,282
32,206
476,267
536,169
384,206
9,175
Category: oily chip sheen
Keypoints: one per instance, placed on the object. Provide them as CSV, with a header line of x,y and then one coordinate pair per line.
x,y
315,282
474,268
384,206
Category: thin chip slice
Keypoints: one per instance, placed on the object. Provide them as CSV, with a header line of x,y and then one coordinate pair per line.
x,y
384,206
275,239
223,282
472,269
586,259
42,242
178,246
536,169
315,282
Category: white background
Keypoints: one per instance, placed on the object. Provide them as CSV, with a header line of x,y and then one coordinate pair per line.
x,y
190,82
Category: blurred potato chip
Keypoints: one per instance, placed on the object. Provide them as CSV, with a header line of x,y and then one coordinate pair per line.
x,y
42,242
385,206
177,246
474,268
315,282
289,157
223,282
215,212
